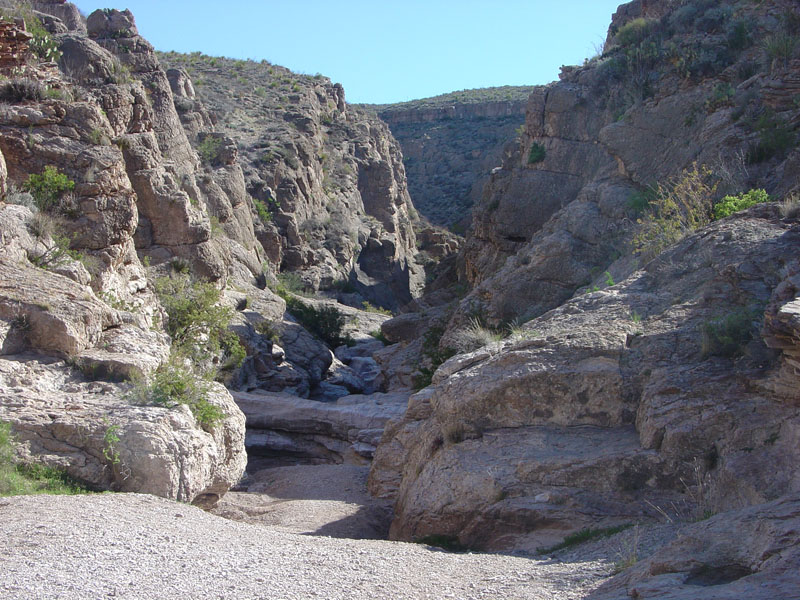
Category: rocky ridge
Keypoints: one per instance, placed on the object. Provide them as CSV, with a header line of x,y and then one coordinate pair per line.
x,y
329,176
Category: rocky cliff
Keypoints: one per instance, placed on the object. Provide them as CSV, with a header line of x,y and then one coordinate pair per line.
x,y
327,177
129,236
450,145
672,392
677,85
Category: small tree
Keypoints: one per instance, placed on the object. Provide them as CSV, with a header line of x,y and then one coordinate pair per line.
x,y
48,187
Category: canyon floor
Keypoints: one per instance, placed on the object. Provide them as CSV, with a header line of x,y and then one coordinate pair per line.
x,y
139,546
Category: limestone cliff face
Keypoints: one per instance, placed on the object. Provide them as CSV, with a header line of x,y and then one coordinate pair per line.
x,y
449,151
686,84
329,177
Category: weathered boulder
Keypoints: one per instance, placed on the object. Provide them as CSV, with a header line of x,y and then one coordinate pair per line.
x,y
65,421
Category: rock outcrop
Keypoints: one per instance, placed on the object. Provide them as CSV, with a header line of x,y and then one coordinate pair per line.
x,y
327,178
686,84
451,144
617,402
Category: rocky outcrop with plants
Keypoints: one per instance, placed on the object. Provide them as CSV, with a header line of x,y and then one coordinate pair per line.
x,y
326,179
627,351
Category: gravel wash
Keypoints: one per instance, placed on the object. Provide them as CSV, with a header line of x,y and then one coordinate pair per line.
x,y
138,546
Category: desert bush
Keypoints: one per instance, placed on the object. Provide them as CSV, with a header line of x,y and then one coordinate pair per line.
x,y
779,47
56,254
196,322
729,335
790,206
731,204
209,148
262,210
585,535
326,322
292,283
721,96
432,357
175,383
48,187
536,154
738,37
633,32
775,137
680,206
21,90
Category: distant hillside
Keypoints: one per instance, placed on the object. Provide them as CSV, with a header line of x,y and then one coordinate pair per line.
x,y
451,143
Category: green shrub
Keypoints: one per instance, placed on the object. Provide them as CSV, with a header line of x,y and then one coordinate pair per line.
x,y
327,322
48,187
209,148
196,322
779,48
432,355
173,384
261,209
731,204
721,96
739,36
729,335
775,138
584,535
633,32
537,154
20,90
366,306
42,44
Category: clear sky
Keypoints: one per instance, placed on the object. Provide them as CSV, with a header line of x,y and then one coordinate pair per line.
x,y
384,50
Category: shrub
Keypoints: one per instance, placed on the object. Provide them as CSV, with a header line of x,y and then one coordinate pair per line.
x,y
731,204
261,209
779,48
537,154
584,535
48,187
721,96
20,90
209,148
173,384
729,335
739,36
475,336
56,254
196,322
775,138
790,207
633,32
327,322
679,207
432,355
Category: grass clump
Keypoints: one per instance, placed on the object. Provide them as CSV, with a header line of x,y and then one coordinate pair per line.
x,y
536,154
731,204
775,137
19,478
584,535
445,542
729,335
21,90
48,187
679,207
475,336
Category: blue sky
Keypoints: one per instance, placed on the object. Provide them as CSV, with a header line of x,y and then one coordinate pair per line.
x,y
384,51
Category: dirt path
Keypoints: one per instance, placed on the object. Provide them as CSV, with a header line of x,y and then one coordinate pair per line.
x,y
329,500
135,546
